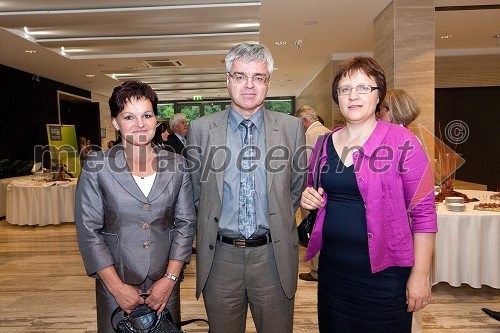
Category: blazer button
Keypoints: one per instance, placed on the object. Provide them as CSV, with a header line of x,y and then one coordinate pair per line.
x,y
146,206
145,226
216,219
211,247
146,244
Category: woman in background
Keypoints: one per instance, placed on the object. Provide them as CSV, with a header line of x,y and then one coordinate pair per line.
x,y
376,221
398,108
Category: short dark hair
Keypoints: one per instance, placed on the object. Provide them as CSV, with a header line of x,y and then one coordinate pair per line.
x,y
131,89
365,65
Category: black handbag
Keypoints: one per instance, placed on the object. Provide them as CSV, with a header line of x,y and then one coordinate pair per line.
x,y
306,226
145,320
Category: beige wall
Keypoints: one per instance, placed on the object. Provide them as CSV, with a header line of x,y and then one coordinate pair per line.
x,y
468,71
318,94
105,116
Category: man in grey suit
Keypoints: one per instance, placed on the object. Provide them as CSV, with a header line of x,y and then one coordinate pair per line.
x,y
247,239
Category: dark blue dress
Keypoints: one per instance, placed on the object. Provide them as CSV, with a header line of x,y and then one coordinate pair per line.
x,y
350,297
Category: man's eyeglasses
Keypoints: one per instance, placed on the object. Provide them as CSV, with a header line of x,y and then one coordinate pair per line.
x,y
360,89
241,78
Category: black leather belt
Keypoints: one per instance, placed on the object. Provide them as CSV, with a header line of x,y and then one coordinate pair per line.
x,y
242,242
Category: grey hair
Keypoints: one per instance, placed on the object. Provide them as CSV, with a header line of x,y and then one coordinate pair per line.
x,y
305,111
175,119
248,52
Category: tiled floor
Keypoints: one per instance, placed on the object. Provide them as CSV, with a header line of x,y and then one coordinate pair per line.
x,y
44,289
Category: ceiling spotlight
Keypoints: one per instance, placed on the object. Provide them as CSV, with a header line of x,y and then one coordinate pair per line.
x,y
446,36
30,51
280,42
90,75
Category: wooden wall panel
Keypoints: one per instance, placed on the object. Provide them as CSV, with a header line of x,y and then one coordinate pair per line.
x,y
318,94
468,71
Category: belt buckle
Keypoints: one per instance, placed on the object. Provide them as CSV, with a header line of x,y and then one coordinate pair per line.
x,y
240,242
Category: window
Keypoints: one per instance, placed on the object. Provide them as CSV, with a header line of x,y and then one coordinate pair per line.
x,y
165,111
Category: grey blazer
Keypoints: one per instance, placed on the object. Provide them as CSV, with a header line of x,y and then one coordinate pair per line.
x,y
117,225
206,142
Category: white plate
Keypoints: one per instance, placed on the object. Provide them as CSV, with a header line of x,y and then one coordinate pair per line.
x,y
456,207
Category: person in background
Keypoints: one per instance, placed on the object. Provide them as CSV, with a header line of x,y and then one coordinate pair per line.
x,y
176,142
161,135
83,151
134,213
398,108
247,242
111,143
314,129
376,221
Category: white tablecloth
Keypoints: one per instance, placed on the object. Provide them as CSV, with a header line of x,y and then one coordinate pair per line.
x,y
4,182
40,203
468,245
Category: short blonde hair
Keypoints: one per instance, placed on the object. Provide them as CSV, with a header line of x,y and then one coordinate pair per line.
x,y
403,108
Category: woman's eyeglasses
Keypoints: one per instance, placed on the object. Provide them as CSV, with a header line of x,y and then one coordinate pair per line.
x,y
360,89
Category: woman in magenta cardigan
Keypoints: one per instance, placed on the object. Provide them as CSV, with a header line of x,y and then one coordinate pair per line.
x,y
376,221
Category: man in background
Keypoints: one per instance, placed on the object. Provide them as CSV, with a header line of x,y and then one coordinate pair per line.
x,y
176,141
314,129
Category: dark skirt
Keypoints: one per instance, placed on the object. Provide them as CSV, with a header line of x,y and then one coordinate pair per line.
x,y
348,303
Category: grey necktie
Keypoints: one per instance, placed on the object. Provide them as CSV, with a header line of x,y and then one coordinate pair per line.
x,y
247,224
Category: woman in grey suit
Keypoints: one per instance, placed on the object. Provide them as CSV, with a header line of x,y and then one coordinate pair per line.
x,y
134,213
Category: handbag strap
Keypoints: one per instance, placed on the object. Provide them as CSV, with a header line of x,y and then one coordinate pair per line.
x,y
187,322
317,169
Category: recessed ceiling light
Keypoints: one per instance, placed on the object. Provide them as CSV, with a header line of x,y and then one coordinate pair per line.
x,y
30,51
90,75
446,36
280,42
311,23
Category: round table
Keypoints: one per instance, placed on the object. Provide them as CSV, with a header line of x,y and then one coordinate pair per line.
x,y
31,202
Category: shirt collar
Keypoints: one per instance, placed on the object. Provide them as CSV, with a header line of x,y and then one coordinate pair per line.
x,y
312,125
180,137
234,119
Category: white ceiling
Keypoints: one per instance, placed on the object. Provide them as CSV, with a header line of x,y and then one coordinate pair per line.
x,y
111,39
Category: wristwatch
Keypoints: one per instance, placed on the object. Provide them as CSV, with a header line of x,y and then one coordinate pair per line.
x,y
171,277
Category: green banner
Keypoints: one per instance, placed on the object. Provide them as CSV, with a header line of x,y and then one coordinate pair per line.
x,y
64,147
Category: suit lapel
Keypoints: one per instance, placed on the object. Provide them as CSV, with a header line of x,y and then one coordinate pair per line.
x,y
217,138
273,139
164,175
118,168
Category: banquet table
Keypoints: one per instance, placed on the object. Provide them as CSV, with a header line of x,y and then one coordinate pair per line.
x,y
31,202
4,182
467,246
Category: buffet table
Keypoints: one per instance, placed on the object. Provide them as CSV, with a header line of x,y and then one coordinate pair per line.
x,y
467,246
31,202
4,182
